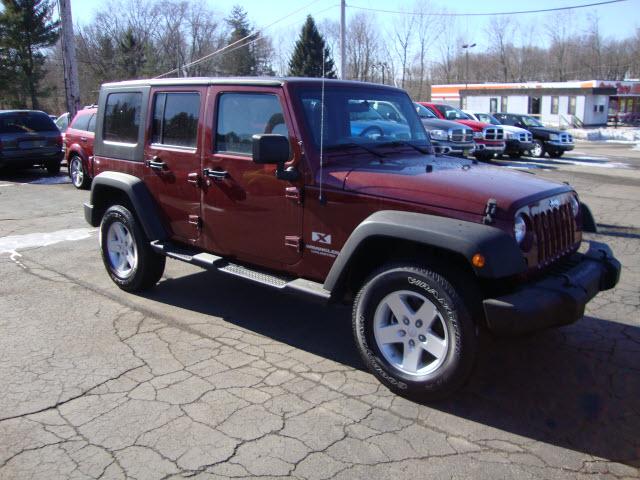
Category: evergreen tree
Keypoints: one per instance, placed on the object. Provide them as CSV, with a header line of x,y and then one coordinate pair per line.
x,y
26,28
306,60
240,60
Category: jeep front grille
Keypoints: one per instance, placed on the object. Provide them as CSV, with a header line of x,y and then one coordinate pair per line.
x,y
555,233
492,133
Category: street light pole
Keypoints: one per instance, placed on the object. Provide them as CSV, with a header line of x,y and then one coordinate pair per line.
x,y
466,47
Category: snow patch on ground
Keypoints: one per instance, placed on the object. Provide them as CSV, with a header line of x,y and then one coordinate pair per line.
x,y
630,135
12,243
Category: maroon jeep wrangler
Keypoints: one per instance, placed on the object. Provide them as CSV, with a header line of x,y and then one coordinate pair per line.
x,y
293,184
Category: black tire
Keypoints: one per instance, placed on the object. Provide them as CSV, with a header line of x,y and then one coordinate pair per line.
x,y
515,156
83,181
148,267
556,153
53,166
537,150
483,156
454,315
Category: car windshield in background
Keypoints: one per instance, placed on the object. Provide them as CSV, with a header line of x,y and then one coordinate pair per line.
x,y
531,122
361,116
424,112
452,113
483,117
26,122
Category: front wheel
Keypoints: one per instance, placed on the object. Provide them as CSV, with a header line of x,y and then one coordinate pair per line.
x,y
556,154
415,332
127,255
538,149
79,177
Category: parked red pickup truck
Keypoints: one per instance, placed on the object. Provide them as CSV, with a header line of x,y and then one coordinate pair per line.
x,y
276,181
488,138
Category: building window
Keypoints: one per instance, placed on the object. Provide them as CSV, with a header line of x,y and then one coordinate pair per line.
x,y
503,104
175,119
555,101
534,106
601,108
122,117
571,107
493,105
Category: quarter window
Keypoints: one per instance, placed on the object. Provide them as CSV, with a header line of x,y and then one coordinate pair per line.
x,y
242,115
92,123
81,122
175,119
122,117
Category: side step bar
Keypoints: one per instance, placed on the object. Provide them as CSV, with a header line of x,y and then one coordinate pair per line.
x,y
213,262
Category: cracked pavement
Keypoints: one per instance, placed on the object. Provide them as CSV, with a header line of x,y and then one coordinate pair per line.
x,y
207,376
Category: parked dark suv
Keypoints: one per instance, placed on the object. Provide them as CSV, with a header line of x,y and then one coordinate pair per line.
x,y
29,138
269,181
78,142
545,140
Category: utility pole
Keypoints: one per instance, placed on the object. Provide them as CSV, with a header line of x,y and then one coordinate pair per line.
x,y
71,86
343,46
466,47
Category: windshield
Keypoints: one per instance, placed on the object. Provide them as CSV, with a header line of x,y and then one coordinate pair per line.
x,y
362,116
26,122
452,113
486,118
531,122
424,112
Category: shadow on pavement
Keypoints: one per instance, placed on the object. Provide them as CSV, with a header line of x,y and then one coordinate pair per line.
x,y
38,176
577,387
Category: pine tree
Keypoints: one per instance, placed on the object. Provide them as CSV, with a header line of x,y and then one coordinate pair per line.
x,y
26,28
306,60
240,59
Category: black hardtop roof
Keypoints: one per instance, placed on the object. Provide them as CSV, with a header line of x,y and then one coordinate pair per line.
x,y
250,81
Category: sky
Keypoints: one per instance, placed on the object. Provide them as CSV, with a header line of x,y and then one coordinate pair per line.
x,y
617,20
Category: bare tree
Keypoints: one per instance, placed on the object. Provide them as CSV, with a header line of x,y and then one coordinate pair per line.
x,y
362,47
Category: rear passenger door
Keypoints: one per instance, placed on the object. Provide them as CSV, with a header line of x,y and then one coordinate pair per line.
x,y
173,158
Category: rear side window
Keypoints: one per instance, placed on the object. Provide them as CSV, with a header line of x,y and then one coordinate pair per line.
x,y
92,123
122,117
81,122
175,119
26,122
241,115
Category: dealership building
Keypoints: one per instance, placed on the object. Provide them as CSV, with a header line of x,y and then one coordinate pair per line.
x,y
576,103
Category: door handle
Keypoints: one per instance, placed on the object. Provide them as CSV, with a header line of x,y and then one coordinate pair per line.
x,y
215,174
156,164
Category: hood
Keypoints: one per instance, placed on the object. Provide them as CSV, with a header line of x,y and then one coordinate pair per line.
x,y
512,129
453,183
436,123
544,130
475,125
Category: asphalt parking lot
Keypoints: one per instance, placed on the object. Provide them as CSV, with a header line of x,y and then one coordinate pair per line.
x,y
210,377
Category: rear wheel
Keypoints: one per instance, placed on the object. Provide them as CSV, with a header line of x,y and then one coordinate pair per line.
x,y
414,332
79,177
53,166
126,253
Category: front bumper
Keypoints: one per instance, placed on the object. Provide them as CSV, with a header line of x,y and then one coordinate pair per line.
x,y
457,148
494,147
565,147
516,146
557,299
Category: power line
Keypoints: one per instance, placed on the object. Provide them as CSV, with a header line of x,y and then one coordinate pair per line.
x,y
206,57
452,14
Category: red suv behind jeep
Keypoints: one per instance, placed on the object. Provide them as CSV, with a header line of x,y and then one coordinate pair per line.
x,y
79,147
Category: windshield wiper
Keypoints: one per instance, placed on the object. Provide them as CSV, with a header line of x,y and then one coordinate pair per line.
x,y
338,146
395,143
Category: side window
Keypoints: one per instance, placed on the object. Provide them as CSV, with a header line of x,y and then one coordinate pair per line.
x,y
81,122
242,115
175,119
92,123
122,117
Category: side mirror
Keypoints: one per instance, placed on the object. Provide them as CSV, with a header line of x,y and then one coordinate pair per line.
x,y
269,148
441,150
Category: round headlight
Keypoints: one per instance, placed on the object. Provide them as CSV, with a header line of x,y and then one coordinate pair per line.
x,y
439,134
519,228
575,206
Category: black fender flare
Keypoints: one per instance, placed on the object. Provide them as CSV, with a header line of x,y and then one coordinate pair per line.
x,y
503,257
145,208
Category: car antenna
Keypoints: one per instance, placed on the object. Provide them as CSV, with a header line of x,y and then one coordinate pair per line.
x,y
321,198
